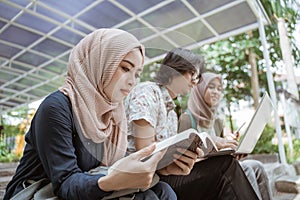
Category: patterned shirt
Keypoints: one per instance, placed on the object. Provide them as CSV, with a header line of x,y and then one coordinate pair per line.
x,y
153,103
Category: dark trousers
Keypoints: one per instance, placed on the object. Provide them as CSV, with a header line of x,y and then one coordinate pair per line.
x,y
219,177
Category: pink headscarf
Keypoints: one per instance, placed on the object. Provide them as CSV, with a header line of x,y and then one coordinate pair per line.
x,y
92,63
203,113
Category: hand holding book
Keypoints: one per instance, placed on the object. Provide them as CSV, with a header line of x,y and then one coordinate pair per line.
x,y
189,140
183,162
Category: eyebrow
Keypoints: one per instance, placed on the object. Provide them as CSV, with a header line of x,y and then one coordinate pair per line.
x,y
132,65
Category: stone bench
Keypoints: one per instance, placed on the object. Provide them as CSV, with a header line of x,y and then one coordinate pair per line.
x,y
288,184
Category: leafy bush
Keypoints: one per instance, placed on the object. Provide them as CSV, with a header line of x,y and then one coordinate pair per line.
x,y
6,155
296,147
264,144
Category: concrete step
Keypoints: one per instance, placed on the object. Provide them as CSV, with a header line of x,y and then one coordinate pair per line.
x,y
7,170
297,167
264,158
286,196
276,171
288,184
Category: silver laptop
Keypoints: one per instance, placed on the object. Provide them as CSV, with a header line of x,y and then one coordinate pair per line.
x,y
254,129
256,126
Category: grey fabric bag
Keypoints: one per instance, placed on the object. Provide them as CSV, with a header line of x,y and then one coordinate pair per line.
x,y
36,190
42,189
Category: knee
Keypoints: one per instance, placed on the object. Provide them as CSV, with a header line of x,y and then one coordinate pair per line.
x,y
164,191
247,169
256,165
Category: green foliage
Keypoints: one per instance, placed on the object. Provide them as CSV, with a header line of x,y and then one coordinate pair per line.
x,y
288,10
9,132
181,104
296,148
149,72
264,144
5,154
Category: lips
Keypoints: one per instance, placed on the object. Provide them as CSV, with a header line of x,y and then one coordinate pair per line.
x,y
125,91
214,98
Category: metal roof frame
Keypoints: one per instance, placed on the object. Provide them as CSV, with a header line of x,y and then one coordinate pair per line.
x,y
36,36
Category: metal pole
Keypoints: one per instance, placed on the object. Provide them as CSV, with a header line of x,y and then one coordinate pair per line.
x,y
287,124
272,90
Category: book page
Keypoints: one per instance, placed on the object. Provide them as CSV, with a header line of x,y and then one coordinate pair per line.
x,y
189,139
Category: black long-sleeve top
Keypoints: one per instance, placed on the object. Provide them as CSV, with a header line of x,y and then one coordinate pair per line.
x,y
55,151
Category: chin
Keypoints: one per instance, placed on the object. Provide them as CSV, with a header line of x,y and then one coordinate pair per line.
x,y
118,99
214,103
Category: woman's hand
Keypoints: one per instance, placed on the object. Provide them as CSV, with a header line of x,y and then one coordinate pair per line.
x,y
224,143
183,162
131,172
231,136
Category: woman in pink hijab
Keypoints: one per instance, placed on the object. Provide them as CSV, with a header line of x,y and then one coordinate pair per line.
x,y
83,126
202,115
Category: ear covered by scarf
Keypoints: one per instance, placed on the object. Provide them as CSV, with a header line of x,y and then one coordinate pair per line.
x,y
203,113
92,63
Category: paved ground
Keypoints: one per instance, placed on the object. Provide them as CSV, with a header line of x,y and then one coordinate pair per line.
x,y
6,171
273,169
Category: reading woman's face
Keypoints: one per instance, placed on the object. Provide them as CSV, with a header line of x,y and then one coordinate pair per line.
x,y
183,84
213,92
125,76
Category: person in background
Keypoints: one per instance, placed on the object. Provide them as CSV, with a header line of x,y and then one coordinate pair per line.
x,y
202,110
83,126
151,118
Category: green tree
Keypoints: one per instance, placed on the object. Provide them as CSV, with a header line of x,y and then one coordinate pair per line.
x,y
285,15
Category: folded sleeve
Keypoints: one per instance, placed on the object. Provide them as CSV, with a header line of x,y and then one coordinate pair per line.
x,y
143,103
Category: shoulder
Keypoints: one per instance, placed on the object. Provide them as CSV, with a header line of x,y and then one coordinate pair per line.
x,y
184,117
146,86
146,89
56,102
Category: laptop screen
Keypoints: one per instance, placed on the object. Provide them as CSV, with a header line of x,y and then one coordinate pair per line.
x,y
256,126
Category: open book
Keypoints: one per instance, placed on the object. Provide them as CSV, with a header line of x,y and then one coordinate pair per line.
x,y
189,139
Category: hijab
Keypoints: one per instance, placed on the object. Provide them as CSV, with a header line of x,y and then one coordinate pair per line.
x,y
202,112
92,63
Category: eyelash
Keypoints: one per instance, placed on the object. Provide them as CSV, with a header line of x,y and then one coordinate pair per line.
x,y
213,87
126,69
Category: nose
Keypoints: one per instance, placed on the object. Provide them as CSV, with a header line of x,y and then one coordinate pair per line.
x,y
132,80
215,90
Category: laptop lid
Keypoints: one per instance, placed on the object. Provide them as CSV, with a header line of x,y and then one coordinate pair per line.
x,y
256,126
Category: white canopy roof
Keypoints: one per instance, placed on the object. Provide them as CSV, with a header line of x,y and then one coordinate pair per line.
x,y
36,36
